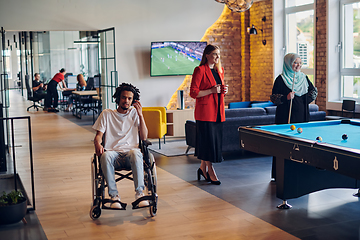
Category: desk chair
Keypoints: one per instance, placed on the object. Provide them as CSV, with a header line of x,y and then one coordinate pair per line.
x,y
30,95
155,119
64,99
347,106
90,84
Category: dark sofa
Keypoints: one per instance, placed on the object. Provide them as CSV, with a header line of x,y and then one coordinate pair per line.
x,y
238,117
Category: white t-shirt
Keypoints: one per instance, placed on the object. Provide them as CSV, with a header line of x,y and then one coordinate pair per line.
x,y
120,130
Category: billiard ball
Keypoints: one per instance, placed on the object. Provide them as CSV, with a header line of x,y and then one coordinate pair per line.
x,y
292,127
319,139
344,136
299,130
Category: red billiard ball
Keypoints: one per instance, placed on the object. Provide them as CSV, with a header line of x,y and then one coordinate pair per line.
x,y
299,130
344,136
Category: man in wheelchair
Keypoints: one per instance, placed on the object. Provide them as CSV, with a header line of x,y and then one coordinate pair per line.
x,y
121,129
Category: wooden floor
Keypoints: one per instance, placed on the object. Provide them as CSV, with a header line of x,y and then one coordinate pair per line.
x,y
62,152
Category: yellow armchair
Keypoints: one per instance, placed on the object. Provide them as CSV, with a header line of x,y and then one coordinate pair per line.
x,y
155,119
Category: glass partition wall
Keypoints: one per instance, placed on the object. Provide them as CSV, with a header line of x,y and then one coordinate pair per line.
x,y
65,49
91,53
107,62
27,53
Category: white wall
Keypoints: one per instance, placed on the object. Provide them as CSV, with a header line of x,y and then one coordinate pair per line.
x,y
137,23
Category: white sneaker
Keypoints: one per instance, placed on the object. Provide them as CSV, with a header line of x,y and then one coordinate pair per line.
x,y
144,203
115,204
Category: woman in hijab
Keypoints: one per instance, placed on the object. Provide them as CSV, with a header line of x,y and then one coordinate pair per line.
x,y
304,92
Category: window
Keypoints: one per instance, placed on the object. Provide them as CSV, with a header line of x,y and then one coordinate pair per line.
x,y
296,3
350,48
299,32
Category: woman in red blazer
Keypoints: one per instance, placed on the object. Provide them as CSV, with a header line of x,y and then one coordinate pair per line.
x,y
207,87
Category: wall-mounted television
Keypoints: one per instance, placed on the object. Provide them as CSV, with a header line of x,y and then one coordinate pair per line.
x,y
175,58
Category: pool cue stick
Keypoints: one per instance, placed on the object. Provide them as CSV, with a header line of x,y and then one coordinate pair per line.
x,y
291,99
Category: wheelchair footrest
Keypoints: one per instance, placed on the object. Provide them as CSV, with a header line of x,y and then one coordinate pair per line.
x,y
151,198
123,205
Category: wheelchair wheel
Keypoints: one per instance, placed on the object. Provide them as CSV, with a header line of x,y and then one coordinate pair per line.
x,y
153,172
95,212
153,210
93,178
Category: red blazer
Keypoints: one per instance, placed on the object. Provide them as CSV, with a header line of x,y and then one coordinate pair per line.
x,y
206,107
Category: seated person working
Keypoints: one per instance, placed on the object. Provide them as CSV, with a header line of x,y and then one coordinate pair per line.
x,y
122,128
38,87
80,86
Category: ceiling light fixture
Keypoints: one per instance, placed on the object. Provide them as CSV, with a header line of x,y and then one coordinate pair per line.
x,y
86,42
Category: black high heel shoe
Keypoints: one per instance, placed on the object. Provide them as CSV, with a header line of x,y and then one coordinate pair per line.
x,y
201,173
213,182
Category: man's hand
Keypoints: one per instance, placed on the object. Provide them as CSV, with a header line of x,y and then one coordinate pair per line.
x,y
138,107
142,128
99,149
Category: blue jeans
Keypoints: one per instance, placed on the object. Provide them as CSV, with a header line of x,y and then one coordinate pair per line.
x,y
112,160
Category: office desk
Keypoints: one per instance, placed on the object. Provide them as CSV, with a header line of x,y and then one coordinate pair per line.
x,y
79,106
85,93
303,164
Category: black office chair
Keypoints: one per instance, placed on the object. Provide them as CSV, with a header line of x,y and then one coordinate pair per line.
x,y
347,106
89,84
30,95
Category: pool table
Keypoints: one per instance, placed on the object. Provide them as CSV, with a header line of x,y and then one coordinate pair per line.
x,y
304,164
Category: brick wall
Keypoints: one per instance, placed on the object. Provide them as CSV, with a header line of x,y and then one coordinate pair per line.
x,y
246,61
225,33
261,56
321,56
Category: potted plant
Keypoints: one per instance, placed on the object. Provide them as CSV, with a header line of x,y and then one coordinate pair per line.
x,y
13,207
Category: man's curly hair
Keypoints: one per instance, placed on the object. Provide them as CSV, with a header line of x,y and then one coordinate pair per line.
x,y
126,87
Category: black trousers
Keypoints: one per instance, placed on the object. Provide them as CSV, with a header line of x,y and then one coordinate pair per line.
x,y
52,96
42,95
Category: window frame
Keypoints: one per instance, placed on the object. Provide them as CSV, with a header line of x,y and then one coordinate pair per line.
x,y
344,72
294,10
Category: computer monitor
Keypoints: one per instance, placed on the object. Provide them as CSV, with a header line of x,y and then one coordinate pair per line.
x,y
96,82
71,79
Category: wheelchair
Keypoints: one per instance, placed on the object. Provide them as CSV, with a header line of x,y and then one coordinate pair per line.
x,y
99,185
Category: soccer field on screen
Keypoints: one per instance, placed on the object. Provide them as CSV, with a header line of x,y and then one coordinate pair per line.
x,y
168,61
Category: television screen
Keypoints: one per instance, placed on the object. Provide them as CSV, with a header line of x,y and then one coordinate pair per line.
x,y
175,58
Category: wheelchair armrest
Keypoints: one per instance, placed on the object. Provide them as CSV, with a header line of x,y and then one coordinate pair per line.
x,y
146,143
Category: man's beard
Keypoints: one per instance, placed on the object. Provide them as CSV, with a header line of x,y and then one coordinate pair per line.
x,y
124,108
